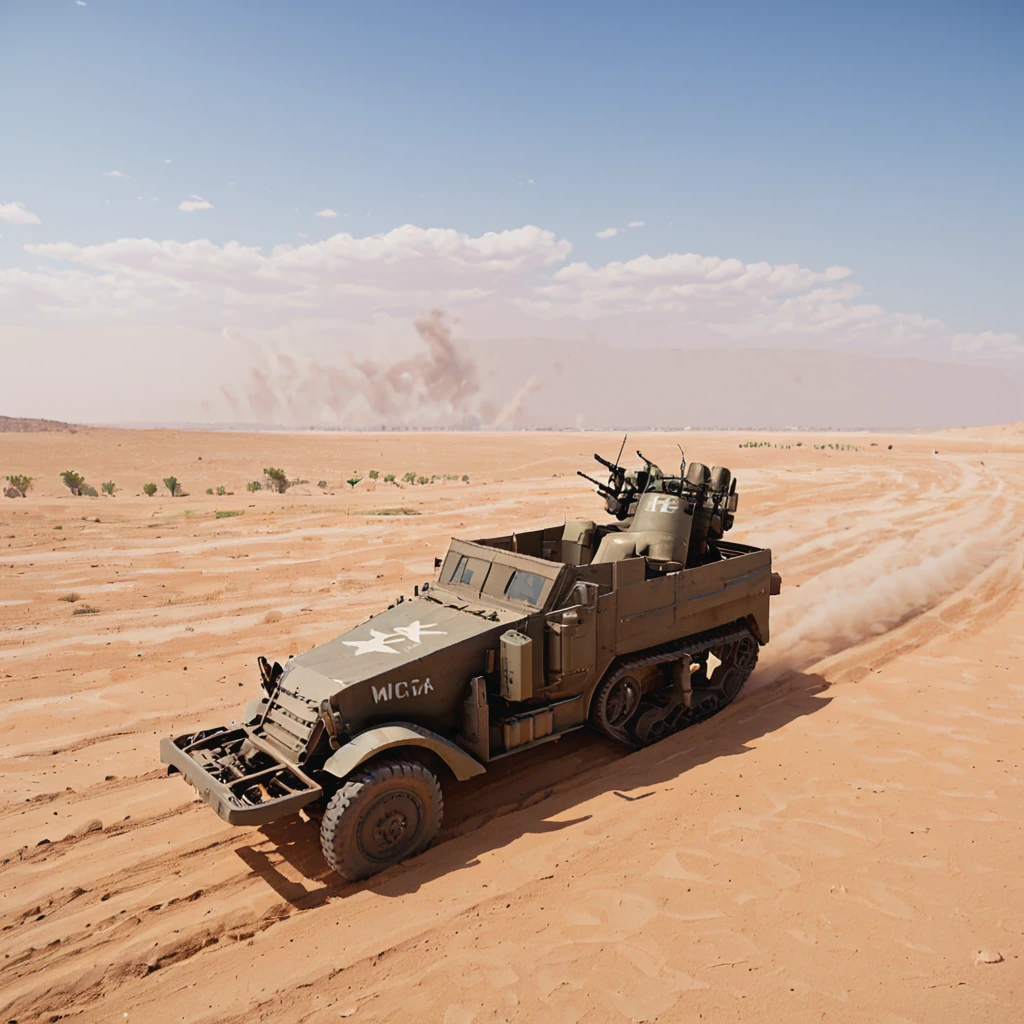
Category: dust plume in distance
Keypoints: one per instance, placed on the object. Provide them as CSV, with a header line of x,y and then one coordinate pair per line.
x,y
438,386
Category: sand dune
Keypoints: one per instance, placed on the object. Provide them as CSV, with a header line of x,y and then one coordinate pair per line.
x,y
843,843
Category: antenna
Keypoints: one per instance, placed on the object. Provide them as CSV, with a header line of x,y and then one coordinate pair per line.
x,y
622,448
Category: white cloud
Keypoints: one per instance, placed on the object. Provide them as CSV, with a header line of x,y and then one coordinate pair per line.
x,y
513,283
81,3
167,160
1001,345
612,232
15,213
115,174
194,203
325,213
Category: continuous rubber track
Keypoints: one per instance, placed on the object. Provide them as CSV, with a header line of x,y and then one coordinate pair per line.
x,y
168,913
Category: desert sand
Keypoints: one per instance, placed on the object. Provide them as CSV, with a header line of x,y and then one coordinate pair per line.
x,y
844,843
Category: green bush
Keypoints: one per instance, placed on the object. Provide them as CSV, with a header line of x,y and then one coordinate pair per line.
x,y
465,478
108,487
253,485
171,483
222,490
20,482
89,491
73,481
389,478
277,479
373,474
209,490
409,478
149,490
353,480
322,484
423,480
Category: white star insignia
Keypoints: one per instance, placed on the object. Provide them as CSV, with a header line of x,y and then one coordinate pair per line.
x,y
377,644
417,629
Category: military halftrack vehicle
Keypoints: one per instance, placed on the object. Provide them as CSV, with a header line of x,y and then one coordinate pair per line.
x,y
637,627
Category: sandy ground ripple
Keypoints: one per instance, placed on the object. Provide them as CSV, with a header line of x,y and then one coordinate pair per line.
x,y
843,843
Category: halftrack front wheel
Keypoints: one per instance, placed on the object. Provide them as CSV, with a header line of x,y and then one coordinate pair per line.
x,y
387,811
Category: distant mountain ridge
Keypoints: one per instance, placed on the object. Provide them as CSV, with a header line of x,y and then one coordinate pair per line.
x,y
23,425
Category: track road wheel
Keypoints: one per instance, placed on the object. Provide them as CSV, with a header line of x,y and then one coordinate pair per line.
x,y
614,703
737,662
387,811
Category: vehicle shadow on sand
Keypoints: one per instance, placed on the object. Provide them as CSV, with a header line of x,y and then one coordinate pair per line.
x,y
521,795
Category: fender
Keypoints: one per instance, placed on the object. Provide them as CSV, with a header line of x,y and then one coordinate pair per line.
x,y
401,734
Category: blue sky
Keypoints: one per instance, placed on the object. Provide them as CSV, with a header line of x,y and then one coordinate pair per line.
x,y
886,138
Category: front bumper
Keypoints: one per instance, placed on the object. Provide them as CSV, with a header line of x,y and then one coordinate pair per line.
x,y
244,790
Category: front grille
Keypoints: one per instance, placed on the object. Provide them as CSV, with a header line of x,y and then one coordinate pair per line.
x,y
289,722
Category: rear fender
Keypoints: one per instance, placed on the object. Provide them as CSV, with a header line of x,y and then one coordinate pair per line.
x,y
401,734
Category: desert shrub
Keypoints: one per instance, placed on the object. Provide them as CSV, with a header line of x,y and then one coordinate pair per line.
x,y
322,484
277,479
389,478
465,478
409,478
353,480
149,490
222,490
89,491
73,481
423,480
70,598
108,487
227,514
374,474
171,483
403,511
253,485
58,527
85,610
20,482
209,490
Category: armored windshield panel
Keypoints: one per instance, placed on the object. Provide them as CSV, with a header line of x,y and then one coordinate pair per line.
x,y
525,586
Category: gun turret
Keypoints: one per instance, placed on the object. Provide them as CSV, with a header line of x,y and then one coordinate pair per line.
x,y
620,490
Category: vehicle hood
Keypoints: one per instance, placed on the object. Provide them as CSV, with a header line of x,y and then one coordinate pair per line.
x,y
406,633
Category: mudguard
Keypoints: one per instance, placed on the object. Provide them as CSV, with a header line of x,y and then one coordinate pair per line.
x,y
401,734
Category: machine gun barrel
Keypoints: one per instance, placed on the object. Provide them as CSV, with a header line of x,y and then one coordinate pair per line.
x,y
603,488
618,470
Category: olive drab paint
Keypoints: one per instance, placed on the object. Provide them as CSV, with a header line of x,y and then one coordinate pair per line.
x,y
520,639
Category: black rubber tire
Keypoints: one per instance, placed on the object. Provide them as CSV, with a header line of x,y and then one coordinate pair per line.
x,y
403,795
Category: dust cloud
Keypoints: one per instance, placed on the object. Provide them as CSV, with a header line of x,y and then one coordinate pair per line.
x,y
895,580
439,386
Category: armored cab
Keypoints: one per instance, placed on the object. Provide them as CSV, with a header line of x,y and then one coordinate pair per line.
x,y
636,626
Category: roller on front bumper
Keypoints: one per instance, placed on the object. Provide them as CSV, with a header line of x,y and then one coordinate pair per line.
x,y
244,789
